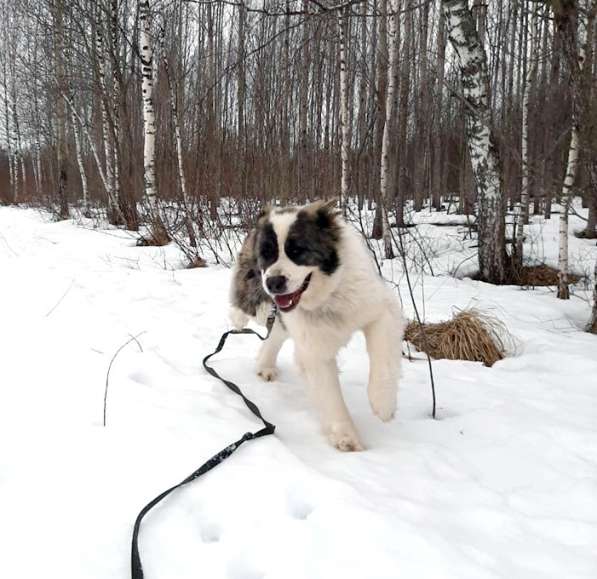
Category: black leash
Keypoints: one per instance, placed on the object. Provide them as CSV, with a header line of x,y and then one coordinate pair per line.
x,y
136,567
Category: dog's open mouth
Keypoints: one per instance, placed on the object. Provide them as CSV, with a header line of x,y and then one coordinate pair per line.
x,y
287,302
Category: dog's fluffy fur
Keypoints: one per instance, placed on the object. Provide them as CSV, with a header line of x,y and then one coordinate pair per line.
x,y
317,269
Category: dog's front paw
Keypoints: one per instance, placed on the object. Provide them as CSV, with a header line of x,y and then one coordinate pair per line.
x,y
344,438
267,374
238,318
382,398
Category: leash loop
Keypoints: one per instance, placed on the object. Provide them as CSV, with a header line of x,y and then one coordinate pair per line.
x,y
268,428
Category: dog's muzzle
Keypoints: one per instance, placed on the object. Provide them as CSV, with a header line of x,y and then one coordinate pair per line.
x,y
287,302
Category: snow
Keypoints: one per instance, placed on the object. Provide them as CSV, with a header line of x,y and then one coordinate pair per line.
x,y
503,484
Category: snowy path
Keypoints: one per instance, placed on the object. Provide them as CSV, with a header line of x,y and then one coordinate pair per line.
x,y
503,485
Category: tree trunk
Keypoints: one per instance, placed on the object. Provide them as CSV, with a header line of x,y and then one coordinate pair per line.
x,y
400,166
106,132
61,156
571,169
80,163
149,126
127,206
380,115
589,121
484,157
94,151
422,112
522,213
593,322
526,106
343,26
389,109
573,39
438,128
12,183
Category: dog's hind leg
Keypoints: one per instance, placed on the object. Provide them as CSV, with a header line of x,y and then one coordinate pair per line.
x,y
322,376
266,360
384,342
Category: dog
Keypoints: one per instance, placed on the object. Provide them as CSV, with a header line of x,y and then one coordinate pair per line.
x,y
317,270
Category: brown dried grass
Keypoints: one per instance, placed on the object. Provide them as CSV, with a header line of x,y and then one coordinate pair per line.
x,y
470,335
196,261
157,236
540,275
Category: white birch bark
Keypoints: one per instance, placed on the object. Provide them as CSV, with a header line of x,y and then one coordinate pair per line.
x,y
80,163
437,139
573,152
37,163
531,54
19,157
593,322
94,151
116,93
108,154
472,62
12,181
522,211
343,26
37,172
61,152
381,80
389,109
571,169
149,126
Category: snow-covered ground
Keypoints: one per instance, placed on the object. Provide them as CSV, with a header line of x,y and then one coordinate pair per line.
x,y
503,484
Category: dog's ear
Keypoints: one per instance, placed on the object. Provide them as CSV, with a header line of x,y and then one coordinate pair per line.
x,y
325,212
330,205
265,211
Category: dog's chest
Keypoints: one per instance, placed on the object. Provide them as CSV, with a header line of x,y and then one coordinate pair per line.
x,y
322,332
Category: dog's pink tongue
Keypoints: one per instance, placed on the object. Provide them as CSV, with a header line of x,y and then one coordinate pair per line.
x,y
284,301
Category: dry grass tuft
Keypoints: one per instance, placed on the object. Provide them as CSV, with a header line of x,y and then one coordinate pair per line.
x,y
157,236
540,275
469,335
196,261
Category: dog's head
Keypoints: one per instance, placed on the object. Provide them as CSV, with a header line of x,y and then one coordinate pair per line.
x,y
296,248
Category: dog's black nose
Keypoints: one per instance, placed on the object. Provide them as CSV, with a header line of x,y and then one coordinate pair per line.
x,y
276,284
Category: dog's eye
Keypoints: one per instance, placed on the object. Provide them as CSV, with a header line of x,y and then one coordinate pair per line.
x,y
268,251
294,251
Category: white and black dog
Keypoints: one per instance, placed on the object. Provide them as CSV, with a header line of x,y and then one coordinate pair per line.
x,y
318,271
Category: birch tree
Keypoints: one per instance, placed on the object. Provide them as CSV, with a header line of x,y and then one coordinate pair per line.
x,y
437,180
343,26
12,184
101,57
593,323
522,210
61,155
530,52
80,162
573,34
389,109
149,123
472,62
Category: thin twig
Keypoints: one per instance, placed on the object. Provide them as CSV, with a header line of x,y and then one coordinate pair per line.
x,y
132,339
60,300
412,297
